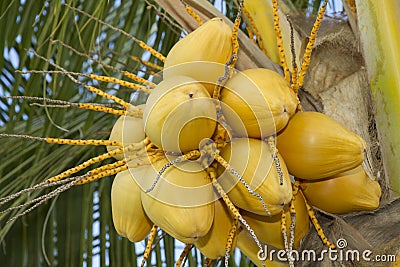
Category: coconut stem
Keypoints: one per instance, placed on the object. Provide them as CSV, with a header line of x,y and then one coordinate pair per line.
x,y
147,63
295,73
85,165
160,173
285,240
192,13
291,230
103,171
103,109
274,152
187,156
183,255
125,73
311,214
318,227
235,32
78,142
232,208
310,44
207,262
129,148
149,244
226,165
97,91
224,78
279,40
293,52
141,43
62,141
95,174
42,199
41,185
107,108
231,236
292,210
235,50
129,85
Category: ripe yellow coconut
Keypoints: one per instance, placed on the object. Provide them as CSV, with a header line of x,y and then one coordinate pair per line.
x,y
316,146
206,72
179,113
252,159
268,229
261,99
343,193
127,130
128,214
213,244
182,201
210,43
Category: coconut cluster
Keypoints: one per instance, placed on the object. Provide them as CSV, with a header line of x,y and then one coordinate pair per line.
x,y
255,106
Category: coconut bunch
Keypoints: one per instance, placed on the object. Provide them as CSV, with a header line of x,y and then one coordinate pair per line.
x,y
181,113
240,131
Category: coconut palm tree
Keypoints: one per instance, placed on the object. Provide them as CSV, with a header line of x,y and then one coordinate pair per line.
x,y
75,228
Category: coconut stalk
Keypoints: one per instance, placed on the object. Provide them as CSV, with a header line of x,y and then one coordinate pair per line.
x,y
379,29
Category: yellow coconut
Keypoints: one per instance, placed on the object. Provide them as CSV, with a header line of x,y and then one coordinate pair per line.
x,y
179,113
268,229
128,215
127,130
201,54
213,244
252,159
316,146
181,203
206,72
345,192
257,103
